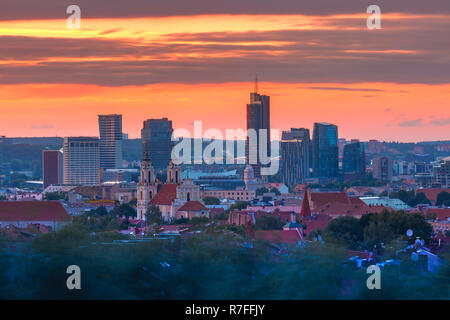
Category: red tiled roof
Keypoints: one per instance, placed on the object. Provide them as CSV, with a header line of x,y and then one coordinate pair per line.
x,y
278,236
166,195
441,213
355,200
320,198
432,194
342,209
306,210
192,206
33,211
318,221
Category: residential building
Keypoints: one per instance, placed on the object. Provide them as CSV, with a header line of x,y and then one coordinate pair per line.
x,y
110,128
81,161
382,168
52,167
22,213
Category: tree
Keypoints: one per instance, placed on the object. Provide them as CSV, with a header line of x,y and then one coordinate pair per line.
x,y
239,205
344,230
275,190
3,198
211,200
124,210
443,198
153,215
267,222
100,211
261,191
56,196
420,198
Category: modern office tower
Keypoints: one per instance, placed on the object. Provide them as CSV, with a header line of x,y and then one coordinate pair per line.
x,y
354,163
382,168
81,161
325,151
52,167
110,127
258,117
157,142
295,156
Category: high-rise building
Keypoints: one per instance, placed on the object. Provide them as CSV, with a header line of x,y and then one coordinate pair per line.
x,y
354,163
325,151
295,156
52,167
110,127
81,161
382,168
258,117
157,142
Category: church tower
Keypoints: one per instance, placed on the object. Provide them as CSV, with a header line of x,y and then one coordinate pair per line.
x,y
173,173
146,188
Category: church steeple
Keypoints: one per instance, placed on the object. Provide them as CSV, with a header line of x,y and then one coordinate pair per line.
x,y
173,173
147,176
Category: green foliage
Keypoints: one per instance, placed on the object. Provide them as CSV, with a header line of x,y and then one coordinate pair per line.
x,y
199,220
124,210
239,205
202,266
56,196
443,198
211,200
3,198
100,211
154,215
221,216
374,228
267,222
261,191
275,190
410,198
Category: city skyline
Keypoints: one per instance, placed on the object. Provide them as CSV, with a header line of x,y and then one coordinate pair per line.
x,y
318,62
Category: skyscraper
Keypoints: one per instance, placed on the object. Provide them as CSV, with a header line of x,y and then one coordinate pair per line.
x,y
295,156
110,127
382,168
354,163
52,167
81,161
258,117
325,151
157,142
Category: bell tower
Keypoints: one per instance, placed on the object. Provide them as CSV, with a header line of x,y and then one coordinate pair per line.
x,y
173,173
146,188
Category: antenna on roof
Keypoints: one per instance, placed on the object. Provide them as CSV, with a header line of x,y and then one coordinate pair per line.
x,y
256,83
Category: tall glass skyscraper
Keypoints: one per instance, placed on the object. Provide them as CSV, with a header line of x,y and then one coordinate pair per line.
x,y
325,151
110,127
354,163
295,156
258,117
156,136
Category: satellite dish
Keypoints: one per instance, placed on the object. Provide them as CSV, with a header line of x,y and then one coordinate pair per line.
x,y
409,233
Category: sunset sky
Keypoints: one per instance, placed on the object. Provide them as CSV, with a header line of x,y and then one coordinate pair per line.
x,y
196,60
